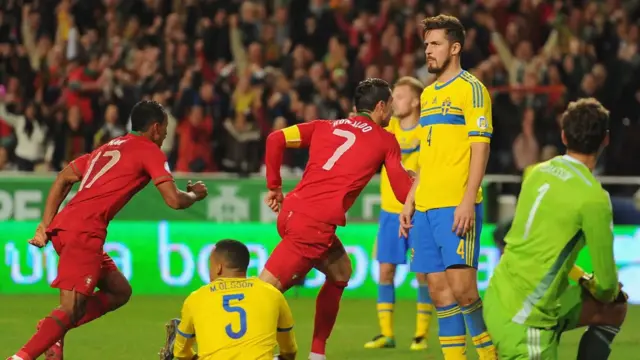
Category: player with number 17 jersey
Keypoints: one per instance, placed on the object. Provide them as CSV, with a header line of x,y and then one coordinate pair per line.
x,y
111,175
343,156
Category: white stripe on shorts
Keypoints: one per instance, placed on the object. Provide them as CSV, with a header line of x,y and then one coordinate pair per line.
x,y
533,344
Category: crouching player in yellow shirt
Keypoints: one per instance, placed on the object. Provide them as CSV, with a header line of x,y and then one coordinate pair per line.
x,y
233,317
391,249
446,197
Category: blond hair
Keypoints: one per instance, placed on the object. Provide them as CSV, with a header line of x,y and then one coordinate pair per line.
x,y
413,83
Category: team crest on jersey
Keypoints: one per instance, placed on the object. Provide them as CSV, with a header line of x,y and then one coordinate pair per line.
x,y
482,123
446,106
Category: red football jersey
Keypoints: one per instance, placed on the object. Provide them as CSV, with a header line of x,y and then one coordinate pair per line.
x,y
111,175
343,156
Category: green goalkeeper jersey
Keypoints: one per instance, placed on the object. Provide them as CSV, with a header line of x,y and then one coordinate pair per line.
x,y
561,207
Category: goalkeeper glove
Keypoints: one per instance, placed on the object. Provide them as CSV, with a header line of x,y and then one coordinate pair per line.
x,y
588,283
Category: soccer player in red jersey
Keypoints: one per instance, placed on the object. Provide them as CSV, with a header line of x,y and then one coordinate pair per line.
x,y
109,177
343,156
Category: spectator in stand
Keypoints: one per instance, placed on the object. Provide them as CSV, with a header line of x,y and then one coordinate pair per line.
x,y
5,162
255,65
195,146
33,146
525,147
74,140
111,128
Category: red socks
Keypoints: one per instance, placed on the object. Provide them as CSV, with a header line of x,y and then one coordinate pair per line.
x,y
97,306
55,326
327,307
52,329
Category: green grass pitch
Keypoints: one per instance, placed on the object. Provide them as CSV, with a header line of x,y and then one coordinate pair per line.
x,y
137,330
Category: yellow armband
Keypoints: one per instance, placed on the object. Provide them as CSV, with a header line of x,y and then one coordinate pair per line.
x,y
576,273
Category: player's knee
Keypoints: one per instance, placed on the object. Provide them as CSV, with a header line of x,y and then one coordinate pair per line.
x,y
465,295
463,285
387,273
617,314
439,290
74,309
123,295
341,273
344,275
73,303
611,315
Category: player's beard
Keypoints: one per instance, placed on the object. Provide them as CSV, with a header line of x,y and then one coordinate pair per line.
x,y
437,70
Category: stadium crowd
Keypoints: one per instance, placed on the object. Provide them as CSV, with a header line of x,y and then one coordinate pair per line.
x,y
231,71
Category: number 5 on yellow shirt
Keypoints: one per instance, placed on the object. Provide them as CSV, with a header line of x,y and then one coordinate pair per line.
x,y
226,299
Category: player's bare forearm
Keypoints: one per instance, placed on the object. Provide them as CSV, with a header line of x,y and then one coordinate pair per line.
x,y
186,199
58,192
176,198
411,197
401,180
477,168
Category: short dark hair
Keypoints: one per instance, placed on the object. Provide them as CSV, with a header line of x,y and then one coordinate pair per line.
x,y
234,253
370,92
585,124
146,113
452,27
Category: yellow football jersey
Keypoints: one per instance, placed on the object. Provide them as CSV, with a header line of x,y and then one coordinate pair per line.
x,y
234,318
409,140
453,115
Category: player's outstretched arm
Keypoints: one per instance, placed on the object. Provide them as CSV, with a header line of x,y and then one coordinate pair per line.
x,y
408,209
61,187
178,199
400,179
597,225
286,337
296,136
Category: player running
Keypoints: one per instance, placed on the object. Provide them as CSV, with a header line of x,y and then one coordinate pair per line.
x,y
454,149
343,156
109,177
391,250
232,317
562,207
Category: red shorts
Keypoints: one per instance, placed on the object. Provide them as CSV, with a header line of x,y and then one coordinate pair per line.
x,y
82,261
305,243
